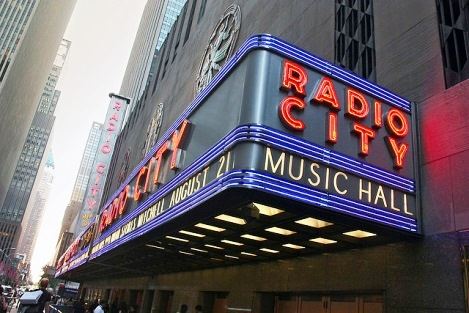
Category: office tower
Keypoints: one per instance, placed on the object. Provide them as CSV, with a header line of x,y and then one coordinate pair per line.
x,y
157,20
27,167
34,211
79,188
14,19
81,181
30,34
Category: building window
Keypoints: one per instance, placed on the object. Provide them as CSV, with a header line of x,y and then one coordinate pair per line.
x,y
189,23
354,37
453,22
158,69
201,10
181,25
170,43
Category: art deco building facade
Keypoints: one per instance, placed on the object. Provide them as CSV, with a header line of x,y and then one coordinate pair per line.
x,y
156,22
30,34
308,156
27,166
35,210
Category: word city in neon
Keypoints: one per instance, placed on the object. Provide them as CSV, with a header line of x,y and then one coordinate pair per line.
x,y
357,108
148,175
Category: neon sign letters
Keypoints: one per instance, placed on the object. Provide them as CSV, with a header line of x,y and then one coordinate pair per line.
x,y
147,178
357,108
274,141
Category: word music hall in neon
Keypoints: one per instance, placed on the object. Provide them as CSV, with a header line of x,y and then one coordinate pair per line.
x,y
294,129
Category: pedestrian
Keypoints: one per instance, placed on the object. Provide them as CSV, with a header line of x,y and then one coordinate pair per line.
x,y
101,307
122,307
79,306
113,308
183,308
3,302
94,305
198,308
44,299
14,296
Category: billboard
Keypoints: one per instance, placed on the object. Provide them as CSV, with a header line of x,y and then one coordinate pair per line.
x,y
111,127
293,127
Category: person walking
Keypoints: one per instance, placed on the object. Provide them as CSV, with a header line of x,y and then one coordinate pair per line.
x,y
79,306
100,308
3,302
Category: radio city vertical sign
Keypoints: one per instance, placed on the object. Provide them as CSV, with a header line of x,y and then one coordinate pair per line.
x,y
112,125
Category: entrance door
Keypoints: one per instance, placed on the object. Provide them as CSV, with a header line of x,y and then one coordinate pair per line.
x,y
343,304
287,304
328,304
372,304
165,301
219,305
312,304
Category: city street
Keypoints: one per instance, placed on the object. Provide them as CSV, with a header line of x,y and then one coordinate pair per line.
x,y
262,156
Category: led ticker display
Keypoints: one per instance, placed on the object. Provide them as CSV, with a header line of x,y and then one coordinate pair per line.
x,y
306,131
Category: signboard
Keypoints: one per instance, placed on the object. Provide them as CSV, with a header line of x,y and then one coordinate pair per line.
x,y
293,126
113,122
77,253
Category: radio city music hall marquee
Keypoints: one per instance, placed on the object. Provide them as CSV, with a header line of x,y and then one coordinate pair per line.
x,y
293,126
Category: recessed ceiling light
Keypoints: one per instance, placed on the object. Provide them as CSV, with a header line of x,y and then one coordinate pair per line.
x,y
268,250
185,232
187,253
359,234
231,256
215,259
200,250
281,231
215,247
177,238
267,210
292,246
324,241
252,237
156,247
234,243
313,222
248,254
231,219
209,227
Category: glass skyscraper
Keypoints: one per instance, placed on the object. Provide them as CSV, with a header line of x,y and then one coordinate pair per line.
x,y
35,209
14,19
79,189
30,34
81,182
27,167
